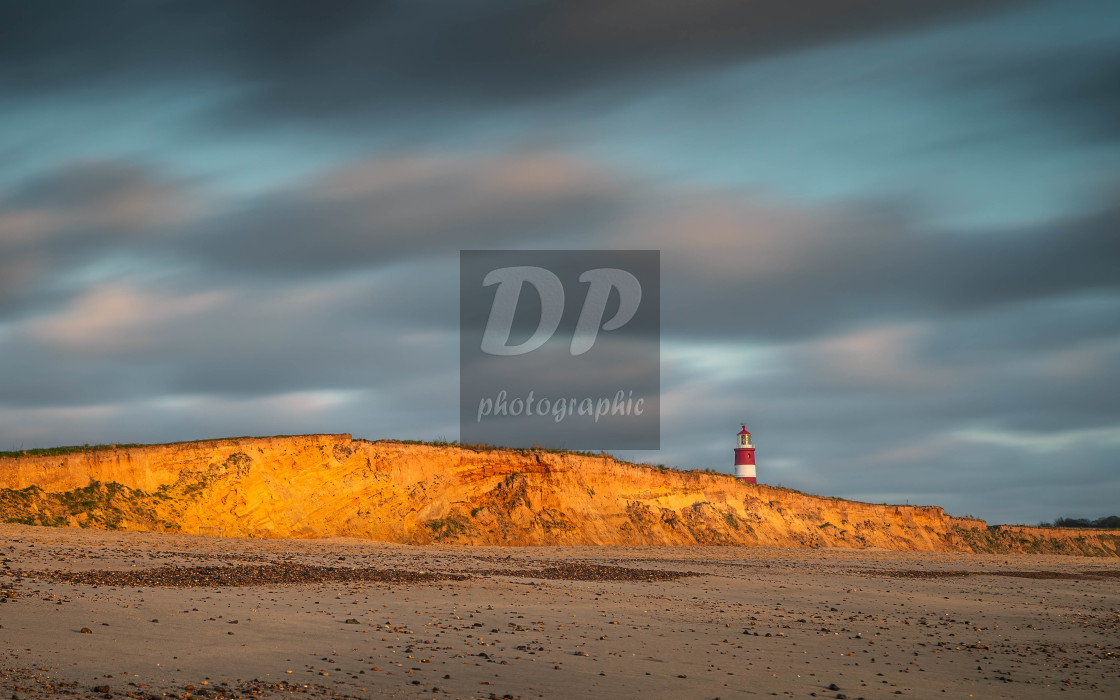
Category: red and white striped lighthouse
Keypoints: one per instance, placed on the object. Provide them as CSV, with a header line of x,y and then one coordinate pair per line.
x,y
744,458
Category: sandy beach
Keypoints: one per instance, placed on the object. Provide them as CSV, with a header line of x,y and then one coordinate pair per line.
x,y
122,614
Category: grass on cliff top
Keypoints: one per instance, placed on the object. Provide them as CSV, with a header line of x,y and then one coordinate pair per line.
x,y
476,447
71,449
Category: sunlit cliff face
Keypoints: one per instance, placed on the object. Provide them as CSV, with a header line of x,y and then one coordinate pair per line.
x,y
331,485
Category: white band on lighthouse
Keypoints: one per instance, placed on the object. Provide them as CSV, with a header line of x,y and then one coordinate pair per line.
x,y
744,471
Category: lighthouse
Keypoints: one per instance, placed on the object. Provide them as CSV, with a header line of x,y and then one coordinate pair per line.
x,y
744,457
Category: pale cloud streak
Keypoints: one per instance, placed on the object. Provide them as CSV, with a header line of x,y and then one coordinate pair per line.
x,y
116,317
1046,442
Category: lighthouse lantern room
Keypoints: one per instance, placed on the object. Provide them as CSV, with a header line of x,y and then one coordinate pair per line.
x,y
744,457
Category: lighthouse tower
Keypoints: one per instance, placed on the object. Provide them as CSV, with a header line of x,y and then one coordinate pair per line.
x,y
744,458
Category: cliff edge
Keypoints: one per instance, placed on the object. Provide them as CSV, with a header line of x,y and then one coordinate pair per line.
x,y
333,485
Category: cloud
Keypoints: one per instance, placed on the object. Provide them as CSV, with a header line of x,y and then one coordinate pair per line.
x,y
1073,89
794,271
799,272
161,419
143,339
1047,442
75,214
882,358
349,59
102,195
117,317
736,267
385,209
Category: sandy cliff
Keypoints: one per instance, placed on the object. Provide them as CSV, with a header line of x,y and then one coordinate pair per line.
x,y
326,485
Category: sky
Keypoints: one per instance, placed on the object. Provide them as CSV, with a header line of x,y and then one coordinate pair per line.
x,y
889,232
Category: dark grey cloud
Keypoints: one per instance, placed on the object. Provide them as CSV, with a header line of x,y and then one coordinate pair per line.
x,y
800,275
321,60
1074,91
1089,99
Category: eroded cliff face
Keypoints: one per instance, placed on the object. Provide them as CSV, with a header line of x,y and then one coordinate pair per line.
x,y
332,485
